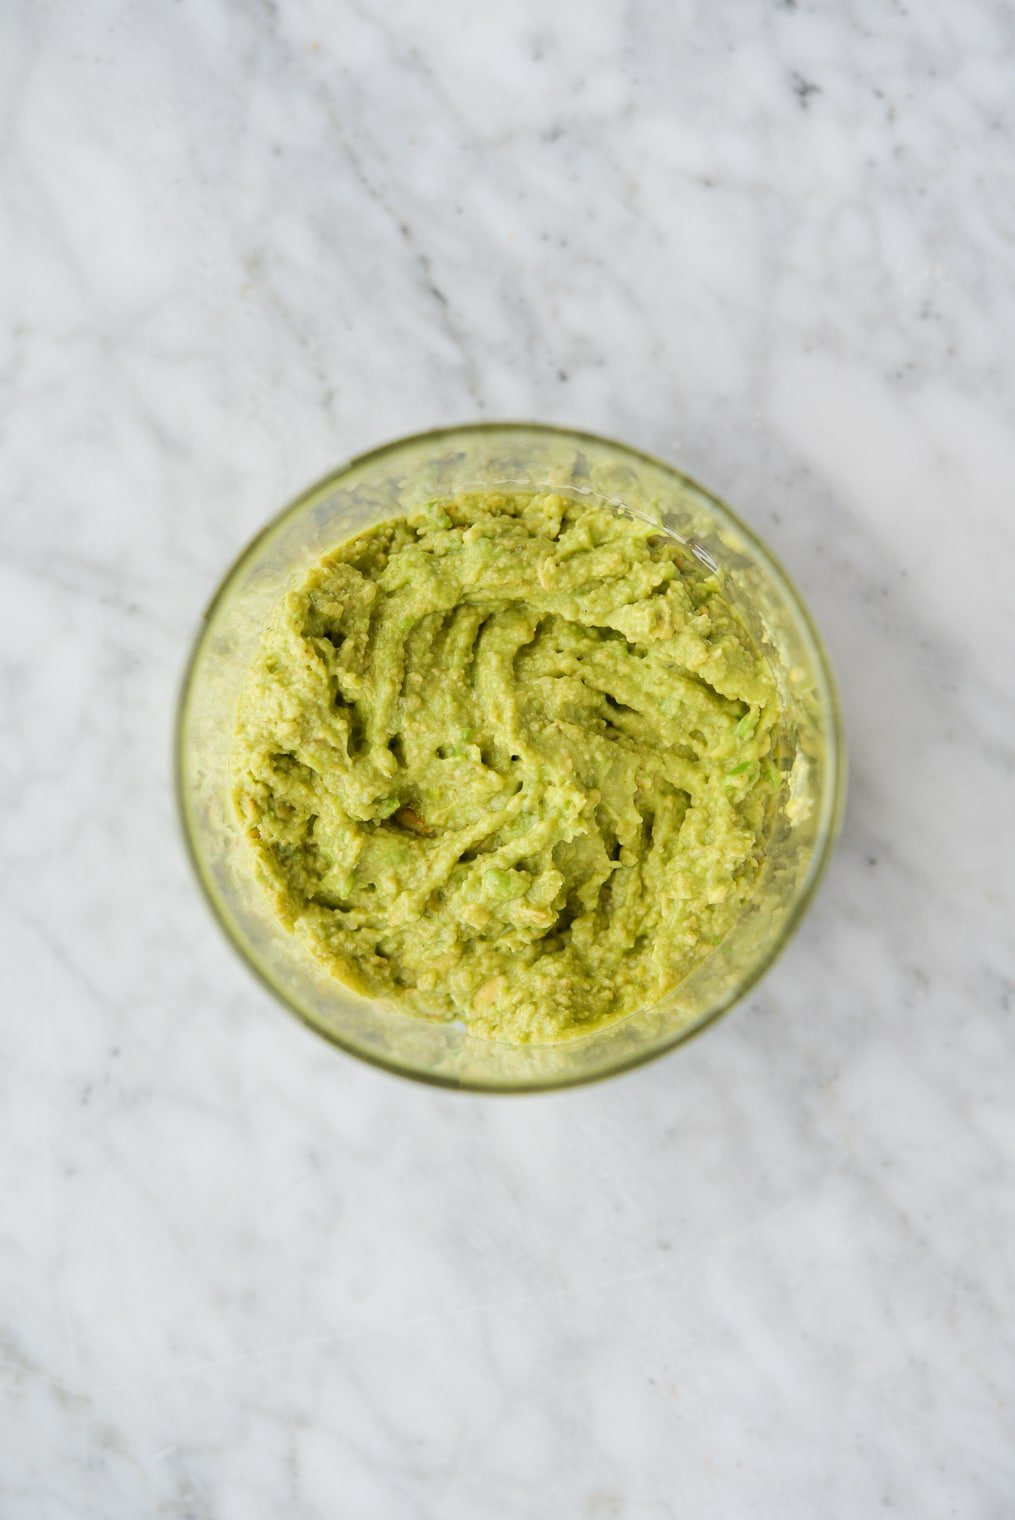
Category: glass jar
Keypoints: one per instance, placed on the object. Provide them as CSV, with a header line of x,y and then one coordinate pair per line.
x,y
509,456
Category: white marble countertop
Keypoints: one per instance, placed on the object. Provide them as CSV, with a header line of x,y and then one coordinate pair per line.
x,y
770,1275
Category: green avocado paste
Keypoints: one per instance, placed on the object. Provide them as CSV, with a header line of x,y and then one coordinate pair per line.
x,y
508,760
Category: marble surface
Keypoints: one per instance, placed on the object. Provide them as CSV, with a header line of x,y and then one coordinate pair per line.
x,y
241,1276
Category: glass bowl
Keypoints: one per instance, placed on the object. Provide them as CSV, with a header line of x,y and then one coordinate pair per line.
x,y
385,483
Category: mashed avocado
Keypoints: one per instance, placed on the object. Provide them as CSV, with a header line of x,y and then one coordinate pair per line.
x,y
508,760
